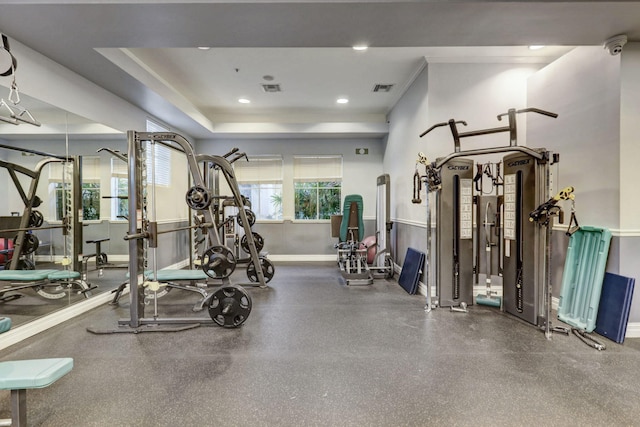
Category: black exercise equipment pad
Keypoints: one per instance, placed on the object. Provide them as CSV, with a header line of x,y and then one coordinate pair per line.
x,y
411,269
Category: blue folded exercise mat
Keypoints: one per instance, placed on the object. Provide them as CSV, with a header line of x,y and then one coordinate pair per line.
x,y
411,269
583,276
615,304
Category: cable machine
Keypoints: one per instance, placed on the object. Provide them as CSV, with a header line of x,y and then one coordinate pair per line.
x,y
464,215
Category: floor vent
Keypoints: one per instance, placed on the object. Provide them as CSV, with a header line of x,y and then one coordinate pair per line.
x,y
271,88
380,87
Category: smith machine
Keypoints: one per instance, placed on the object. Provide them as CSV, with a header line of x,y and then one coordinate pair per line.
x,y
21,227
230,305
516,243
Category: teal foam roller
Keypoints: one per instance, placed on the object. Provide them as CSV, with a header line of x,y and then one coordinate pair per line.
x,y
490,301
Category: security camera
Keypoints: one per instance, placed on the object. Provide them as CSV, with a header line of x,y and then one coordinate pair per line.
x,y
614,44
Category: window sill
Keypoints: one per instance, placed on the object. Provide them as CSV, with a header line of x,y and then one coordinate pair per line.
x,y
311,221
269,221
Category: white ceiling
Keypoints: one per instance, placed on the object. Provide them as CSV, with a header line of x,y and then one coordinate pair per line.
x,y
145,52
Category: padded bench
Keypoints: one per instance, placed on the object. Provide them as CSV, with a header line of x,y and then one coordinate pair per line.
x,y
37,275
20,375
25,275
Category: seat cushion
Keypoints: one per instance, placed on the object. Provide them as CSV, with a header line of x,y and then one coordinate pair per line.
x,y
36,373
25,275
63,274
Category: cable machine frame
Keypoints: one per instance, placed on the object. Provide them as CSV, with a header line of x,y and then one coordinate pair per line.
x,y
543,159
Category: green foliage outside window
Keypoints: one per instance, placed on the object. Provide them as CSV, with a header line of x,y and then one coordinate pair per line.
x,y
122,190
316,200
90,200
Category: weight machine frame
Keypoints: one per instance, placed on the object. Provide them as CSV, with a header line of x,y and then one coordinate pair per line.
x,y
383,264
543,159
137,217
73,224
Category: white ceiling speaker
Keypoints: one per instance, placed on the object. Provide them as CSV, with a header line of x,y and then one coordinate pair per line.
x,y
614,44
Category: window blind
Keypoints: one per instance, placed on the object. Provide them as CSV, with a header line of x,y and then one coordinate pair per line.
x,y
317,168
259,169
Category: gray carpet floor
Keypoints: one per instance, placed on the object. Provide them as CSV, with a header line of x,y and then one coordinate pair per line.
x,y
315,352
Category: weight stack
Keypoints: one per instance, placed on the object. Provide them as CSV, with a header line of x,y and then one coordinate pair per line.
x,y
454,234
525,188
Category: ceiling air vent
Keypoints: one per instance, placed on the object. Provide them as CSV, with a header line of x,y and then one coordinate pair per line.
x,y
271,87
381,87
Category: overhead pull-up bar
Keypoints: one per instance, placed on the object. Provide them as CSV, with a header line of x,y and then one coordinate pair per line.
x,y
511,128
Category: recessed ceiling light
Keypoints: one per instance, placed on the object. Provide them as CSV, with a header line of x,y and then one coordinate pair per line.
x,y
342,100
536,47
204,47
244,101
360,47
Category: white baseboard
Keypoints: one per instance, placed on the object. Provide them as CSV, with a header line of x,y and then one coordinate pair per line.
x,y
303,258
633,330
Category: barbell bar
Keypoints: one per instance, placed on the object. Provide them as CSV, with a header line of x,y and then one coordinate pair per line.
x,y
153,230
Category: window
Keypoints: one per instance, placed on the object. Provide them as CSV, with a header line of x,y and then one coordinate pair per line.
x,y
161,156
119,189
260,180
60,182
317,182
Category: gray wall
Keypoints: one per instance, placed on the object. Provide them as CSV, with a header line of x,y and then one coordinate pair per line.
x,y
596,134
472,92
298,237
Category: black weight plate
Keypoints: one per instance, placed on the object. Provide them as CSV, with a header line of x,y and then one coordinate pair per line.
x,y
23,264
198,198
268,270
218,262
36,219
30,244
230,306
257,239
251,218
